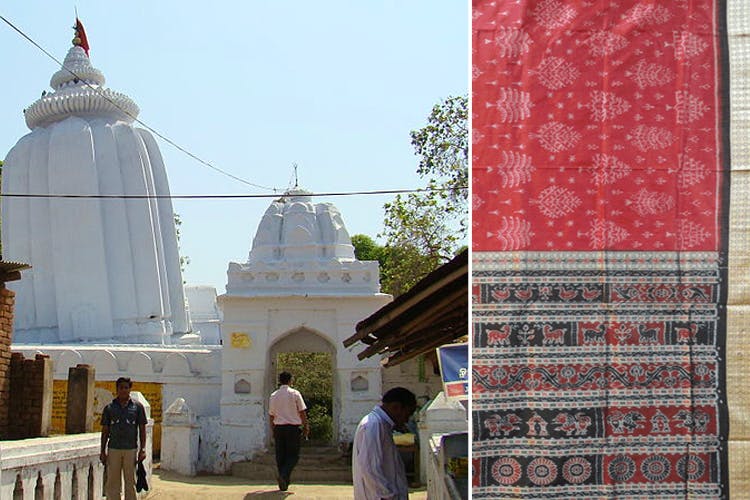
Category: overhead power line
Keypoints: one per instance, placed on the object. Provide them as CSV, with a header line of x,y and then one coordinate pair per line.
x,y
143,124
219,196
276,191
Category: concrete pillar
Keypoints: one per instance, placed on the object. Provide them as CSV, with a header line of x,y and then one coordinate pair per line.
x,y
79,415
179,449
45,376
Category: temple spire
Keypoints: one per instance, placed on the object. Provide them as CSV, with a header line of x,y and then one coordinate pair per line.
x,y
80,40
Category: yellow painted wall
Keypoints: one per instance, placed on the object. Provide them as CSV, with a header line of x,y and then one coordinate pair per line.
x,y
104,393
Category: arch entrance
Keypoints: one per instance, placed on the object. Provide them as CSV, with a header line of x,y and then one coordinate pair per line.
x,y
311,359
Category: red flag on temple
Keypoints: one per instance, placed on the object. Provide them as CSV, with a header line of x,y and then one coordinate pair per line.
x,y
80,38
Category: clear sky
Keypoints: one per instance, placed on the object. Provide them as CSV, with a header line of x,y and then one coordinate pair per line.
x,y
254,87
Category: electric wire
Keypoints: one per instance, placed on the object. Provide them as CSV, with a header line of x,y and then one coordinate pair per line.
x,y
143,124
276,191
225,196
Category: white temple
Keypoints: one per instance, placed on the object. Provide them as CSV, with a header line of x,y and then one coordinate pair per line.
x,y
301,248
301,290
104,270
106,287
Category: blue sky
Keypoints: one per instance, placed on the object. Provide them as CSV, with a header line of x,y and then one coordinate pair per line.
x,y
254,87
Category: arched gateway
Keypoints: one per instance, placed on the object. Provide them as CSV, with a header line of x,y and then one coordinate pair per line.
x,y
294,346
301,290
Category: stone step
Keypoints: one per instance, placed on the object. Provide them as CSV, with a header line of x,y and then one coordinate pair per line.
x,y
319,473
304,459
312,451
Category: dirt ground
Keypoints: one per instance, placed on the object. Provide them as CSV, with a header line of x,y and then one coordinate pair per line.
x,y
167,485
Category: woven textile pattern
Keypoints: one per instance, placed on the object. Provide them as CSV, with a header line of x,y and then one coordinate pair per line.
x,y
599,234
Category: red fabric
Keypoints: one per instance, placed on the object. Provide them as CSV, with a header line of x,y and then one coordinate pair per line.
x,y
81,34
599,236
595,126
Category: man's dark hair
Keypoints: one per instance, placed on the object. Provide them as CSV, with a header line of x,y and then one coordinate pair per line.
x,y
285,378
401,395
124,380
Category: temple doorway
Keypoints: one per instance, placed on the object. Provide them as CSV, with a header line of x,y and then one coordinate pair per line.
x,y
313,377
310,358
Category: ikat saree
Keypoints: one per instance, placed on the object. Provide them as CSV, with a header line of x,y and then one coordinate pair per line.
x,y
601,245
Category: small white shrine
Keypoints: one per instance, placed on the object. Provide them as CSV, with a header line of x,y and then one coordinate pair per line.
x,y
205,316
301,290
104,270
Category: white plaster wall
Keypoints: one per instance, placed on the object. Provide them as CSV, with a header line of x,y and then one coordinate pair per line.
x,y
208,331
32,459
211,449
204,313
190,373
406,375
268,320
441,415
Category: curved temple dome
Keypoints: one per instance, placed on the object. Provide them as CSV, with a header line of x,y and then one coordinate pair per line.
x,y
302,247
104,270
296,229
79,90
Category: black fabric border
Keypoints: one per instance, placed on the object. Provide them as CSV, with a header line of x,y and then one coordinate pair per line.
x,y
726,170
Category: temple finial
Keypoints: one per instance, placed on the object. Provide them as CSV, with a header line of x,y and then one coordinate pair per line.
x,y
296,179
80,39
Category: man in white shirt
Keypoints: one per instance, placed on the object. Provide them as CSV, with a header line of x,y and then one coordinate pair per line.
x,y
287,411
377,467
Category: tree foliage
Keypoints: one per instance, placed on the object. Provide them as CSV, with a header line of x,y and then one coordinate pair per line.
x,y
184,259
365,248
424,230
313,375
443,149
400,266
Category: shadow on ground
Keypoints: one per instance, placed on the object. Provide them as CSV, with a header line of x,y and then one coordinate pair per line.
x,y
254,495
167,485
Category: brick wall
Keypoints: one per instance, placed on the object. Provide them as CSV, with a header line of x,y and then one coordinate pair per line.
x,y
7,299
30,409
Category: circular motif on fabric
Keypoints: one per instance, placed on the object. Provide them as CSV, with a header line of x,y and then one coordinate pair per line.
x,y
621,468
662,292
690,467
567,372
542,471
656,468
506,470
576,470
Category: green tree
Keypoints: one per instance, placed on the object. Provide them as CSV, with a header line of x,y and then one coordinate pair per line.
x,y
443,150
426,229
365,248
184,259
400,266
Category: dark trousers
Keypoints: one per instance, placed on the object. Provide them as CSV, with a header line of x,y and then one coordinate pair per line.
x,y
288,439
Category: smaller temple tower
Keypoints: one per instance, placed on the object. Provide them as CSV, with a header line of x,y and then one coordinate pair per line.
x,y
301,290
